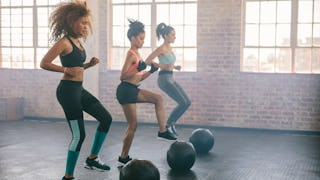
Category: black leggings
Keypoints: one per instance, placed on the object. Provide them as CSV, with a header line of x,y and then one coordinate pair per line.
x,y
74,99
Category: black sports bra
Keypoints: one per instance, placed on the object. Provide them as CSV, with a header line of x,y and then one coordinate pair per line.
x,y
75,58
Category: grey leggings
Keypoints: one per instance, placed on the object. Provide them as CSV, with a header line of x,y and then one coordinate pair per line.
x,y
174,90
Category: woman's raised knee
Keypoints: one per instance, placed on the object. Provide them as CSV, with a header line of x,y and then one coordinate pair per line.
x,y
159,99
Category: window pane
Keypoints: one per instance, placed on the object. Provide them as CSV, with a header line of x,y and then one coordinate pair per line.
x,y
162,13
16,36
283,60
303,60
268,12
6,56
117,1
250,59
178,52
316,35
189,36
145,14
5,17
316,17
316,60
43,16
16,17
42,2
5,2
267,35
17,58
55,2
176,12
28,58
267,59
252,12
252,35
6,64
27,37
16,3
27,2
283,35
43,37
144,1
190,14
283,11
126,42
118,16
132,12
131,1
27,17
5,37
118,33
305,35
305,11
179,36
147,38
189,60
119,55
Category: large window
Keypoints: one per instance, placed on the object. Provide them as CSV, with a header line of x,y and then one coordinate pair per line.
x,y
181,14
281,36
24,32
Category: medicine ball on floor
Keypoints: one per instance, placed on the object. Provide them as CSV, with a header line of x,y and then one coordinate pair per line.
x,y
139,170
181,156
202,140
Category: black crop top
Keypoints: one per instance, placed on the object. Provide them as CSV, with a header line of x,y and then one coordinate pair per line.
x,y
75,58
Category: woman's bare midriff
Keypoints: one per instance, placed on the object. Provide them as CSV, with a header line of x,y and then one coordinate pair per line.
x,y
166,67
135,79
77,77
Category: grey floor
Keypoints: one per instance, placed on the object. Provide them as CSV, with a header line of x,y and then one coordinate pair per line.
x,y
36,149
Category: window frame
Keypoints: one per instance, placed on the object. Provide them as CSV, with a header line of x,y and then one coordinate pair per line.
x,y
150,31
294,46
37,48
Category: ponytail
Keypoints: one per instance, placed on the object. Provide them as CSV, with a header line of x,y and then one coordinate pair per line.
x,y
163,30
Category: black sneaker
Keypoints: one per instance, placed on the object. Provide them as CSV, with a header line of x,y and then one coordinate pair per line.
x,y
64,178
96,164
167,136
123,161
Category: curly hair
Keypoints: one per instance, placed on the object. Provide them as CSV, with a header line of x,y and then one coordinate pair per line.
x,y
135,28
64,16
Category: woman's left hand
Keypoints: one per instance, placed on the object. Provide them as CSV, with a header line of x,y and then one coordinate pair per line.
x,y
177,67
94,61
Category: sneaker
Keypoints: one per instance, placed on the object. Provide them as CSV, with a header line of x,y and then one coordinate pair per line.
x,y
96,164
123,161
64,178
172,129
167,136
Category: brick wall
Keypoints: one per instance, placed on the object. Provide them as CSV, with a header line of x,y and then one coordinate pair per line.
x,y
221,95
37,87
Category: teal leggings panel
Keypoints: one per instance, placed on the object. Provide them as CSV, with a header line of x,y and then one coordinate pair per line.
x,y
72,159
97,142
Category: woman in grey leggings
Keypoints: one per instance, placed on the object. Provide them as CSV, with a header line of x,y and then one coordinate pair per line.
x,y
165,80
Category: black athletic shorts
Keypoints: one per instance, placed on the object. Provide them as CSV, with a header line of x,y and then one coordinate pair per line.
x,y
127,93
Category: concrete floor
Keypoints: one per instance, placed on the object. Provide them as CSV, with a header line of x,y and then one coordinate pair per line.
x,y
36,149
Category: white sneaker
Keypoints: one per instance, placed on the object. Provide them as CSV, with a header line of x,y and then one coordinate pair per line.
x,y
172,129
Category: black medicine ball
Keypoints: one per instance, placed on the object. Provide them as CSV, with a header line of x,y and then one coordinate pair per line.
x,y
202,140
181,156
